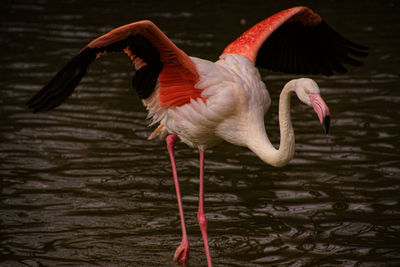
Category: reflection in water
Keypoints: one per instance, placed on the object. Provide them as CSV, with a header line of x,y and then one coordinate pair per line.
x,y
81,185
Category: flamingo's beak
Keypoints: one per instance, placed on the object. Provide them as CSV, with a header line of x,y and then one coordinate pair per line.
x,y
322,111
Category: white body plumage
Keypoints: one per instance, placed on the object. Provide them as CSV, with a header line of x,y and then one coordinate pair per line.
x,y
235,98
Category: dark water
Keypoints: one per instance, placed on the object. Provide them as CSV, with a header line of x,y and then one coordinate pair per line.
x,y
81,185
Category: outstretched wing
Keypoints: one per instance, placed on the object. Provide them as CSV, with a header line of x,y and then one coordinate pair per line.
x,y
156,59
297,41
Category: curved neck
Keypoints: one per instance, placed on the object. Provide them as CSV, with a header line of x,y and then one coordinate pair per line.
x,y
261,145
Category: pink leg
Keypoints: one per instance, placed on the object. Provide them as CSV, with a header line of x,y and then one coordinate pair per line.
x,y
182,252
201,217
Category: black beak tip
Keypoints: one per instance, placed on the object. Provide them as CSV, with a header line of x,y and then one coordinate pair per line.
x,y
326,121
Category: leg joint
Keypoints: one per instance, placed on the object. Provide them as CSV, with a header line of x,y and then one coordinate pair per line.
x,y
201,217
171,140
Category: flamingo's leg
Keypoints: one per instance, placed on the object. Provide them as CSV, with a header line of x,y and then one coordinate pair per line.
x,y
201,217
182,252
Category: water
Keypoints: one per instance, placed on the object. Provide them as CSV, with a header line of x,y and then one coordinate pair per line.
x,y
81,185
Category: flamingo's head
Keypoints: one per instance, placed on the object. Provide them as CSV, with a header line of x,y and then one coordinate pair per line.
x,y
308,92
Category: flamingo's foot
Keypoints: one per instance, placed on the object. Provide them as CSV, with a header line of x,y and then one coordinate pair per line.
x,y
182,252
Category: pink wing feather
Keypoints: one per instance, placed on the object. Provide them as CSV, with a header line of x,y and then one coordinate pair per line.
x,y
251,41
178,75
156,59
297,41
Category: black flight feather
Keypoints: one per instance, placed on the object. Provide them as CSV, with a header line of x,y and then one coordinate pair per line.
x,y
305,49
61,86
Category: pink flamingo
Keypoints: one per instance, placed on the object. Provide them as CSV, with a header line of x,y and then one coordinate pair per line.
x,y
203,103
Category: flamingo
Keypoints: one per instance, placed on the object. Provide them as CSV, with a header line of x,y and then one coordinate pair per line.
x,y
203,103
